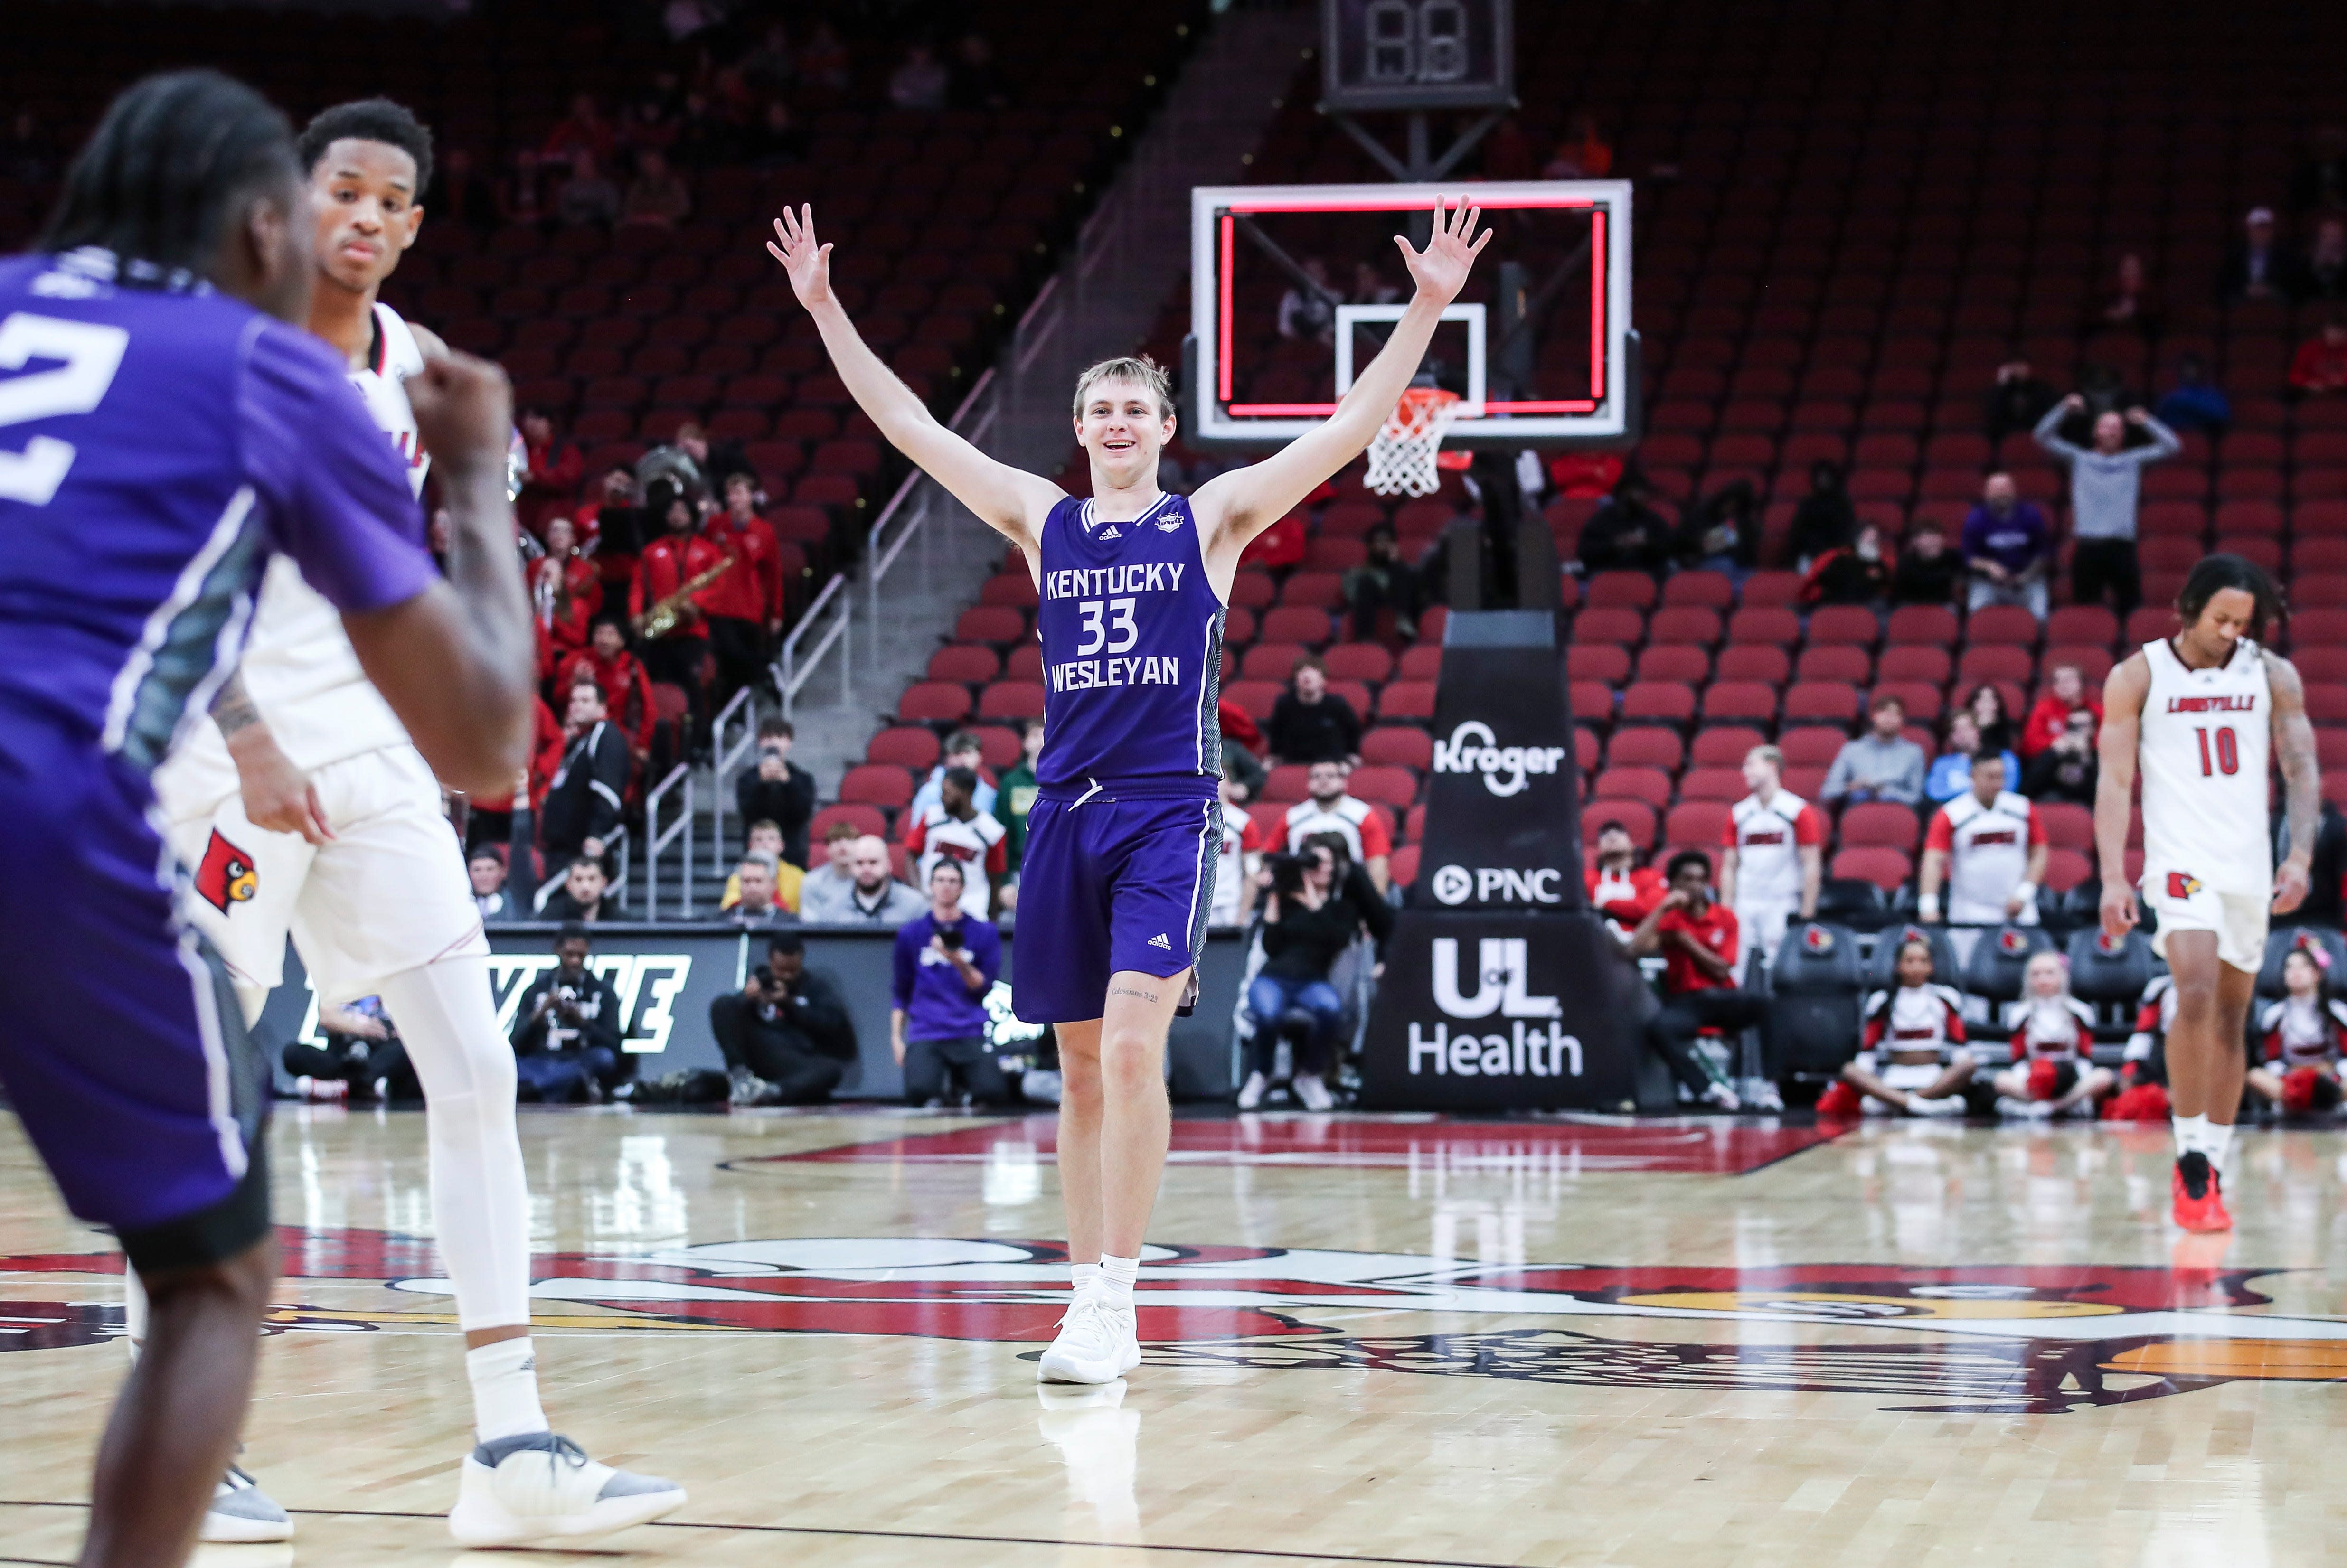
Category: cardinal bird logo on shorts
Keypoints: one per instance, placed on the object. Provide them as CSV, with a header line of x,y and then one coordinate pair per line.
x,y
2182,885
226,875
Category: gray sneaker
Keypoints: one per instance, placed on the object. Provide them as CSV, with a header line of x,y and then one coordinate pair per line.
x,y
746,1087
242,1514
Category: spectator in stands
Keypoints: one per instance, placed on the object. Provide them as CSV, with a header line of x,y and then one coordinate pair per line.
x,y
1987,847
1773,854
2319,369
955,829
769,66
1583,154
778,790
2018,400
1329,809
777,139
2195,403
920,81
1823,520
583,129
1927,569
874,898
2319,181
1702,947
2305,1031
2066,769
825,62
551,485
1880,764
751,896
962,750
586,198
2326,261
656,197
1722,532
787,1037
566,1029
1620,889
580,896
1308,308
765,838
1310,724
2103,389
2258,267
2106,481
486,869
462,193
2008,548
1625,533
613,520
523,192
1855,573
667,566
1238,860
744,606
2066,693
977,85
946,960
1382,582
1014,799
828,884
1371,286
2052,1071
627,690
582,804
2129,307
1242,748
1996,727
716,461
1912,1056
565,592
1951,772
1309,920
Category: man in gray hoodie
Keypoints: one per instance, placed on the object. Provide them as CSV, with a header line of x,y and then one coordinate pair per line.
x,y
2105,482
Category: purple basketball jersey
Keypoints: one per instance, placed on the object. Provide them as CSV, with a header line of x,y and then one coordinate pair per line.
x,y
1132,649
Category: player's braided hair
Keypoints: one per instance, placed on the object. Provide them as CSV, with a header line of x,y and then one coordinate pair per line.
x,y
171,165
2217,572
370,119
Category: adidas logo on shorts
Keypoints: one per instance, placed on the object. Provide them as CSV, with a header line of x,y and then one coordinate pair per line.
x,y
1159,941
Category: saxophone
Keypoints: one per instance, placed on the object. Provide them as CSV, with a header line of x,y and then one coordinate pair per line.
x,y
662,618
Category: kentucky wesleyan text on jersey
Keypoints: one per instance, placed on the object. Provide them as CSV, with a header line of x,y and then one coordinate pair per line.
x,y
1133,647
157,446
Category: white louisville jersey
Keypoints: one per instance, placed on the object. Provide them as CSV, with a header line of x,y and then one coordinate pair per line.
x,y
2303,1031
2051,1028
299,666
2206,738
1768,837
1988,849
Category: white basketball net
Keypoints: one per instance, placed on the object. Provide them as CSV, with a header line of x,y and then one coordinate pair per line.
x,y
1402,453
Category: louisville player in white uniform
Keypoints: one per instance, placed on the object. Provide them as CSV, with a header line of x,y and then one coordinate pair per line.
x,y
2203,712
305,809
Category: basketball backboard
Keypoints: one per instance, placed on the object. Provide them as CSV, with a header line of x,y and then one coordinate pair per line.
x,y
1538,347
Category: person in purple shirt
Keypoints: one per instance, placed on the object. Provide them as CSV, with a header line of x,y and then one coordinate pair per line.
x,y
946,962
165,433
2008,548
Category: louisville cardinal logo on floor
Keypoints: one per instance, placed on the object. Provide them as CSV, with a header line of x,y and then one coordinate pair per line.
x,y
226,875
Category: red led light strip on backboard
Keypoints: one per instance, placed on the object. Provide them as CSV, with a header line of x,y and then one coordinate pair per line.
x,y
1228,234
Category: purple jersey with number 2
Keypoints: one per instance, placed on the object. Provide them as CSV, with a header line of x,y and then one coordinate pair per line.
x,y
157,446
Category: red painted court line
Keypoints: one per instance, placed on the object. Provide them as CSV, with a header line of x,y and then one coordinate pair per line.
x,y
1708,1147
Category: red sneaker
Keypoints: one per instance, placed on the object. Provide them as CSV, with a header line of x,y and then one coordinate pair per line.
x,y
2198,1197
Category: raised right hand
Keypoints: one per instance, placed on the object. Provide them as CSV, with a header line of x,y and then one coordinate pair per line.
x,y
805,261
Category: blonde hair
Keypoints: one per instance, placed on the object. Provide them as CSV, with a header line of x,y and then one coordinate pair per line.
x,y
1137,368
1769,754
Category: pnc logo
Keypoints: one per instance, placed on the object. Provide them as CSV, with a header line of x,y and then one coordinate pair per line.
x,y
1472,749
1455,885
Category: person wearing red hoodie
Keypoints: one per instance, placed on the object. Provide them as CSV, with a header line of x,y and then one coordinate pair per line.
x,y
2066,693
744,606
679,555
565,593
627,690
556,466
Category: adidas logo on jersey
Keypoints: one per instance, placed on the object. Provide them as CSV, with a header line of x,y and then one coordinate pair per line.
x,y
1111,532
1159,941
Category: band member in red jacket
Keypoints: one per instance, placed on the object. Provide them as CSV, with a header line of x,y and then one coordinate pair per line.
x,y
744,606
565,593
627,689
667,564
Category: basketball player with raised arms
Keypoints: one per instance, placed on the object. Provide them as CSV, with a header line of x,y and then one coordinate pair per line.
x,y
2202,712
1119,874
303,807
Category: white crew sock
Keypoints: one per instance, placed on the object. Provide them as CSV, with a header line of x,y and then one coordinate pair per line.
x,y
1081,1276
2217,1143
504,1389
1116,1277
2191,1134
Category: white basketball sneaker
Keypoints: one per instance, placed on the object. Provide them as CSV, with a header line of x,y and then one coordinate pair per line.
x,y
241,1513
1096,1344
542,1488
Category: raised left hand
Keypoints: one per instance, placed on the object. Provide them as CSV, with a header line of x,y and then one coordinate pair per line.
x,y
1440,270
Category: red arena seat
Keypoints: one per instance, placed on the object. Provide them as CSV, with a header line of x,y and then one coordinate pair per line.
x,y
965,662
878,783
906,747
1887,869
934,702
1398,745
1881,823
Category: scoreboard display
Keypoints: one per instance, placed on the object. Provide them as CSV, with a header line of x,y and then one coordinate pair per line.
x,y
1416,55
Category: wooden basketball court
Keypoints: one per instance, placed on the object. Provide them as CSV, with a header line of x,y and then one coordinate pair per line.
x,y
1373,1340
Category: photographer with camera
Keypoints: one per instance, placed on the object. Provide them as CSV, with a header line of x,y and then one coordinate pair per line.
x,y
1317,904
946,961
787,1038
566,1033
363,1058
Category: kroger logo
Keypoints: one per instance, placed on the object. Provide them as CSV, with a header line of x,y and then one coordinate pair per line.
x,y
1470,750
